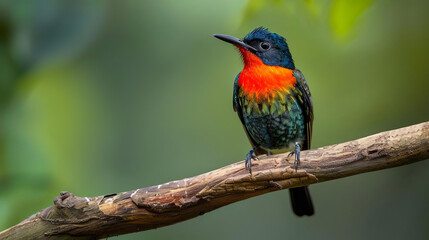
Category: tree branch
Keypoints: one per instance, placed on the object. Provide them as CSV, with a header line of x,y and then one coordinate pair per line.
x,y
75,217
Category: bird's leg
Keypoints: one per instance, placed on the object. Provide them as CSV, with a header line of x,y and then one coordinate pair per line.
x,y
249,156
297,153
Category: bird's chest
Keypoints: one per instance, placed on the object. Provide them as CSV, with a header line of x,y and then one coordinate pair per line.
x,y
275,124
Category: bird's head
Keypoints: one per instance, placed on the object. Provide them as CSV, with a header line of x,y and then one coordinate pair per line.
x,y
269,47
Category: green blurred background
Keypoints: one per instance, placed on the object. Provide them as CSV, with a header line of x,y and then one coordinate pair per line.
x,y
99,97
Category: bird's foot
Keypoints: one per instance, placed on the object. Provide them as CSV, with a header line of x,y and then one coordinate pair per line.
x,y
249,156
297,153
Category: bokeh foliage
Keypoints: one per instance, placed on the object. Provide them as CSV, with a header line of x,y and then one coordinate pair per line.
x,y
99,97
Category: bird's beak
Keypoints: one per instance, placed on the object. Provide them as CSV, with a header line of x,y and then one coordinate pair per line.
x,y
236,41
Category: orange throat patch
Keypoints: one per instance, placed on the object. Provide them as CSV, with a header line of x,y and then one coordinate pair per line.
x,y
261,82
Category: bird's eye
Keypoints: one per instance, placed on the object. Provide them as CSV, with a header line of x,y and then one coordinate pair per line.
x,y
265,45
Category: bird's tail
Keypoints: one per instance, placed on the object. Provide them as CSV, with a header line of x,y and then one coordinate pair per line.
x,y
301,201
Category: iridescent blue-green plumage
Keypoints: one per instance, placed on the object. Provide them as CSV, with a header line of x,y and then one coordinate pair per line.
x,y
278,56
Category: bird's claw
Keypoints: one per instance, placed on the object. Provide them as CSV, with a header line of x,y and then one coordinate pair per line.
x,y
248,162
297,153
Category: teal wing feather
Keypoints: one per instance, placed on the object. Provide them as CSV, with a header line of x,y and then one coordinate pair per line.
x,y
235,101
306,104
239,110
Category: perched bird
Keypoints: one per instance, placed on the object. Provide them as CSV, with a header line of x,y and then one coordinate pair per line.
x,y
273,102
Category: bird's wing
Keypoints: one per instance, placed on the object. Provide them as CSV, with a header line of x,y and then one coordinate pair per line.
x,y
239,110
306,104
235,101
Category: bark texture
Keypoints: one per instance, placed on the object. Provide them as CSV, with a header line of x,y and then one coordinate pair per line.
x,y
73,217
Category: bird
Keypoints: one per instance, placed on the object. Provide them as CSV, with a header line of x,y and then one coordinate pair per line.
x,y
273,101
